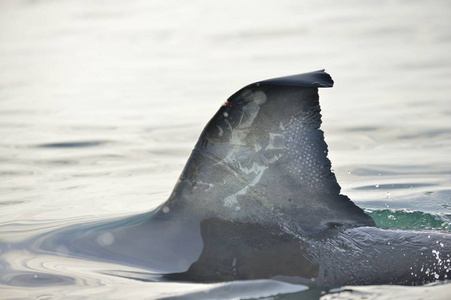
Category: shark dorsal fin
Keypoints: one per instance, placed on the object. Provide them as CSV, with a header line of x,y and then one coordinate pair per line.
x,y
262,158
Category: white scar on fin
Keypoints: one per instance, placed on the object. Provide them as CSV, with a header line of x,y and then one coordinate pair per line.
x,y
232,200
221,131
238,136
275,141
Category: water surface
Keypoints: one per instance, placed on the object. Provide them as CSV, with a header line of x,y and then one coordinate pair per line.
x,y
101,103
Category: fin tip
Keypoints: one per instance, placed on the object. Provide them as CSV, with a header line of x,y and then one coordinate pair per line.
x,y
317,79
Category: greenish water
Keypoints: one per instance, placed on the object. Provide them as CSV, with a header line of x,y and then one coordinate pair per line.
x,y
411,220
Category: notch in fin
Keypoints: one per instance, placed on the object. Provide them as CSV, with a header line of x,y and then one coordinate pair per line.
x,y
262,158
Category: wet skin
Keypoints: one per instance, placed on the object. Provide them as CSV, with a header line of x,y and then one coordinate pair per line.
x,y
257,199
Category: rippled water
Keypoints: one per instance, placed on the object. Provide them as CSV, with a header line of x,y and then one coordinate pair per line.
x,y
101,103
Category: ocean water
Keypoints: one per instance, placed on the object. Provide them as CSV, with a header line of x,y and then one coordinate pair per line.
x,y
101,103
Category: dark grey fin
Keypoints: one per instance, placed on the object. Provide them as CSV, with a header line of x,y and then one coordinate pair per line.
x,y
315,79
312,79
263,159
236,251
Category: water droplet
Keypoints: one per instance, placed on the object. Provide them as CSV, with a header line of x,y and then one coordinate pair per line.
x,y
225,114
377,185
166,209
105,239
62,250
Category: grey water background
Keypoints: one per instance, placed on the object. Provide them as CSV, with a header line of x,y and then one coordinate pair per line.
x,y
101,103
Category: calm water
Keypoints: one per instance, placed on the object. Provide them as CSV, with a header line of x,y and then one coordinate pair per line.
x,y
101,103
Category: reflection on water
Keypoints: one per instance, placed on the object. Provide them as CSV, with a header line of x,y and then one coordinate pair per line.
x,y
37,280
102,102
73,144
